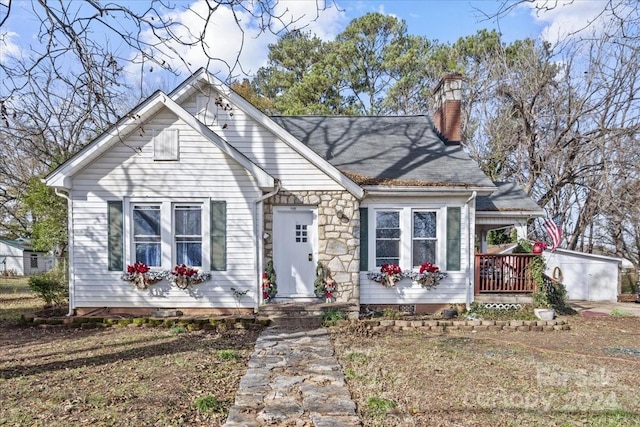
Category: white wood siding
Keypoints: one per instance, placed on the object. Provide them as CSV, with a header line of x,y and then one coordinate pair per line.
x,y
586,276
266,150
13,259
453,288
128,170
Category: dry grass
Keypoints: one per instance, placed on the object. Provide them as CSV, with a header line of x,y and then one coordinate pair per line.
x,y
16,299
137,376
587,376
130,376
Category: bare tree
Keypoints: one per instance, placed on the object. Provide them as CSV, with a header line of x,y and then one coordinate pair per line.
x,y
563,121
70,83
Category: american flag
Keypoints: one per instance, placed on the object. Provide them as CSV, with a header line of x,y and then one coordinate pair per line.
x,y
553,229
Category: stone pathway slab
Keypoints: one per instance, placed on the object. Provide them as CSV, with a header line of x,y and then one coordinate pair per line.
x,y
293,379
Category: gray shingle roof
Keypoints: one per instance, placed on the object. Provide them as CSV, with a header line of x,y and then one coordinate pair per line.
x,y
508,197
24,244
377,150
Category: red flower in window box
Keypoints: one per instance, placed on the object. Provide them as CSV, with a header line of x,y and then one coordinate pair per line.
x,y
138,267
427,267
390,273
141,275
183,276
428,276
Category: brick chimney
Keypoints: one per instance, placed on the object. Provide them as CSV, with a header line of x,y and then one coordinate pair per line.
x,y
447,117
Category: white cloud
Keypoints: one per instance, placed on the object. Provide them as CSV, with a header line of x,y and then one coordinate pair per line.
x,y
8,48
227,40
565,18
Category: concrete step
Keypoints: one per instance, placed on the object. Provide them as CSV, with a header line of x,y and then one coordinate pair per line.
x,y
298,311
296,322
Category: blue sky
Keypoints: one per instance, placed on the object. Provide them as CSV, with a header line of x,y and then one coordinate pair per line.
x,y
448,20
444,20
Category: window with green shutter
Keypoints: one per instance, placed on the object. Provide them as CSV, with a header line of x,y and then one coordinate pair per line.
x,y
454,236
115,236
218,231
364,239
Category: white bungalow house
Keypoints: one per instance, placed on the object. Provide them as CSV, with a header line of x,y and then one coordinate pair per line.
x,y
201,177
17,257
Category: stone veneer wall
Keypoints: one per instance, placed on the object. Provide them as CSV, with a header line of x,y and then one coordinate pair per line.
x,y
338,238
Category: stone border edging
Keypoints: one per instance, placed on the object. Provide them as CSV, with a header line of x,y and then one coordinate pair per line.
x,y
246,322
464,325
226,322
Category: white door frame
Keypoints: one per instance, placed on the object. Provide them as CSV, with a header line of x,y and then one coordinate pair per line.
x,y
284,255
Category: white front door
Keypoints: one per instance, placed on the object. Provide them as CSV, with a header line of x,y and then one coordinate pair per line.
x,y
295,250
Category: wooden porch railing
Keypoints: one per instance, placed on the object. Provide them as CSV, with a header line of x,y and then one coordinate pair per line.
x,y
504,274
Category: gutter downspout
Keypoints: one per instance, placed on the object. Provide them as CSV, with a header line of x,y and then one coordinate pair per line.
x,y
259,230
470,229
69,250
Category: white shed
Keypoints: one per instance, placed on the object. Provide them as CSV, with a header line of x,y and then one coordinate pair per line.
x,y
17,257
586,276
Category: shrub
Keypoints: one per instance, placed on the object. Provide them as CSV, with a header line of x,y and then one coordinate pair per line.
x,y
523,247
50,286
392,313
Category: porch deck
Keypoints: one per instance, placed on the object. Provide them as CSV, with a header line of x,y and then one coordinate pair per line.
x,y
503,278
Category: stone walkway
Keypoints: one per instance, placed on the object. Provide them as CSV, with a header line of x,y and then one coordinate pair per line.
x,y
293,379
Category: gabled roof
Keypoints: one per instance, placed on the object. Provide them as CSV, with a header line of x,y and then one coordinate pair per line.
x,y
61,177
388,151
202,76
509,199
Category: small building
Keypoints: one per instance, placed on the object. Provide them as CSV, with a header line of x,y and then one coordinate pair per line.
x,y
18,258
587,277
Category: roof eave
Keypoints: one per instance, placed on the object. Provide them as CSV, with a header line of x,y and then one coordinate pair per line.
x,y
510,213
388,190
61,176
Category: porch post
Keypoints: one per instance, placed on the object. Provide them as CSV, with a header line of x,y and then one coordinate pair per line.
x,y
483,240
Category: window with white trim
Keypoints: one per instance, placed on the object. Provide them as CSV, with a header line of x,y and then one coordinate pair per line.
x,y
147,237
387,237
163,234
424,243
188,234
410,235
